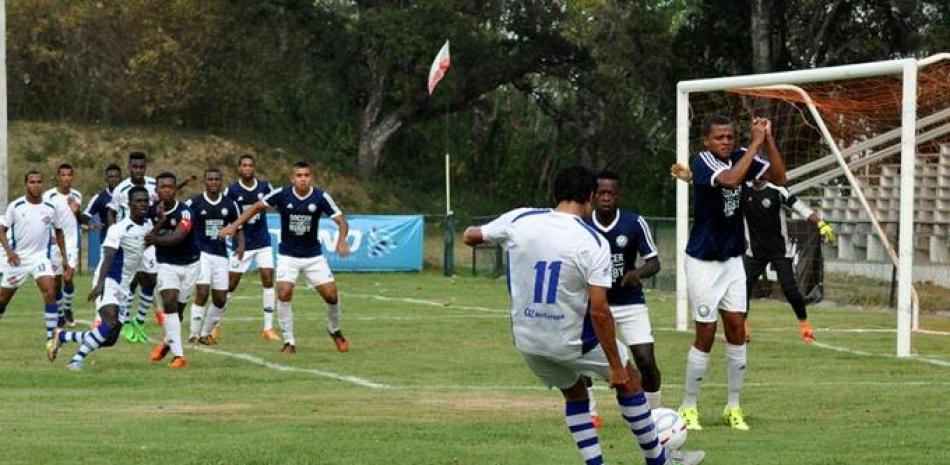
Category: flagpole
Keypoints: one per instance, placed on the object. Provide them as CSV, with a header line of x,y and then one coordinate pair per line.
x,y
449,254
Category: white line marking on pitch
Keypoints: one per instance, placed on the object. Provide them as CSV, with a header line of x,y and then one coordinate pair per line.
x,y
430,303
601,387
932,361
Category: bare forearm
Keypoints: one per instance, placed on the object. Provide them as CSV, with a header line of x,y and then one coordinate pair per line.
x,y
776,171
472,236
107,257
603,322
344,228
733,177
3,240
649,268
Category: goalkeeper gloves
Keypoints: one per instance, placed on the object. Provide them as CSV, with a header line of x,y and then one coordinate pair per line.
x,y
827,232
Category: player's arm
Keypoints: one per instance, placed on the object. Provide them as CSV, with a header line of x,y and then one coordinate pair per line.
x,y
776,170
12,257
87,216
799,207
342,247
495,231
735,176
246,216
640,233
61,243
649,268
473,236
603,322
682,173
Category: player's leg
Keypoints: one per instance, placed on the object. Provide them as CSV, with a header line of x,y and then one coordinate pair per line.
x,y
129,330
219,299
753,269
732,307
104,335
318,274
265,265
202,292
148,282
634,329
13,276
786,277
594,417
56,264
288,268
47,287
68,289
171,280
702,284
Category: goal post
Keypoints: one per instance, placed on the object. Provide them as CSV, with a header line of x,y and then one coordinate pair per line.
x,y
907,69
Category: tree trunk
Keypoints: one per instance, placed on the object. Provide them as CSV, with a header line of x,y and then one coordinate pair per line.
x,y
761,35
375,132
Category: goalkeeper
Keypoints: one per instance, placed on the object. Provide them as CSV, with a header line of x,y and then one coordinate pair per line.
x,y
768,239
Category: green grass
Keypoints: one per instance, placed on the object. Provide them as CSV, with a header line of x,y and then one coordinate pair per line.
x,y
457,391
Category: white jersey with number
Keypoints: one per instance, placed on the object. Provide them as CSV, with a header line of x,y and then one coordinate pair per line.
x,y
552,258
128,239
71,224
30,225
120,196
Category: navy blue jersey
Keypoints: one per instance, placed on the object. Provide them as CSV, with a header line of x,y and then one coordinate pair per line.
x,y
300,219
185,252
629,236
209,218
256,235
718,232
98,210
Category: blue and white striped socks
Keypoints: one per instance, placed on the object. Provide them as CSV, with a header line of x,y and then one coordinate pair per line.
x,y
50,316
636,411
91,341
146,299
577,414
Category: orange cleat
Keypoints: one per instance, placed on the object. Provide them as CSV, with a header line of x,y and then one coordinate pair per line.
x,y
807,334
597,421
216,333
269,335
340,341
178,362
159,352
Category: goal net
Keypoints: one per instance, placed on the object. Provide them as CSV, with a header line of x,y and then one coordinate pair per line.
x,y
841,132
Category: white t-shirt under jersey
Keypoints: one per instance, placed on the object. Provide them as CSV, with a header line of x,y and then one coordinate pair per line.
x,y
552,257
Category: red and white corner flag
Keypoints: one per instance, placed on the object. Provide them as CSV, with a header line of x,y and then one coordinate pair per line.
x,y
439,66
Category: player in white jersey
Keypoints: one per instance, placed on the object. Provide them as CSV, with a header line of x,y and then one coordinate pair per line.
x,y
65,196
29,220
122,253
147,276
559,271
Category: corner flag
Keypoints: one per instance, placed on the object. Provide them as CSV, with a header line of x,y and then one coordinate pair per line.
x,y
439,66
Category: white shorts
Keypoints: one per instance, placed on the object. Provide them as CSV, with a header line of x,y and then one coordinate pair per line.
x,y
264,257
112,294
37,265
563,374
56,259
315,270
633,324
713,286
149,264
213,270
180,277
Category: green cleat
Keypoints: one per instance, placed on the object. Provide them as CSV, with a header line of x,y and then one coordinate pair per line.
x,y
128,333
691,418
140,335
733,416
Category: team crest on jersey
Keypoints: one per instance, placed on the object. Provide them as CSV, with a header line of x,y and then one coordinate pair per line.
x,y
260,195
621,241
240,198
766,203
311,208
224,211
173,222
290,206
704,311
46,219
204,212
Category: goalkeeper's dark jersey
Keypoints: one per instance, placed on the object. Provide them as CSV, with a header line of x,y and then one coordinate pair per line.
x,y
766,230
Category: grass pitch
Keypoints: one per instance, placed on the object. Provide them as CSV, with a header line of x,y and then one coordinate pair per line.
x,y
432,378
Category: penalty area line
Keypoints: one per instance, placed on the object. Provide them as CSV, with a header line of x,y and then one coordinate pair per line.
x,y
931,361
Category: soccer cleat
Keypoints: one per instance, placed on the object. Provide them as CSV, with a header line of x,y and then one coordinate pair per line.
x,y
597,421
68,315
193,340
685,457
53,345
60,321
216,333
341,344
140,334
208,340
288,349
160,318
74,365
733,416
748,333
159,352
178,362
128,332
691,418
269,335
807,334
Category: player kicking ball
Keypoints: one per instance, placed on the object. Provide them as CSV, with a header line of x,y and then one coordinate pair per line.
x,y
122,253
560,272
300,206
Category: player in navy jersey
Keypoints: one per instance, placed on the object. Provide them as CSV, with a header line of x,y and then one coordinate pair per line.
x,y
177,255
301,206
715,277
211,211
96,214
247,191
629,237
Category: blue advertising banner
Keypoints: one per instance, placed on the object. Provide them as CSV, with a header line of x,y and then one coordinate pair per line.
x,y
377,242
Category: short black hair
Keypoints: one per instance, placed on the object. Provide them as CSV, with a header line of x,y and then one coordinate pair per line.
x,y
26,177
137,156
64,166
136,189
166,175
301,164
212,169
607,175
575,183
248,157
715,119
113,167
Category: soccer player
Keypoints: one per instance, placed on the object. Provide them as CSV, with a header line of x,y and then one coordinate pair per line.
x,y
715,275
211,211
628,236
147,274
96,213
247,191
301,206
122,252
177,254
29,219
559,275
66,197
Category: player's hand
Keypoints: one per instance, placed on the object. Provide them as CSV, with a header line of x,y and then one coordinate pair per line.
x,y
828,232
160,212
758,131
13,258
95,293
618,377
768,129
239,253
149,239
681,172
73,204
227,232
67,271
342,248
630,279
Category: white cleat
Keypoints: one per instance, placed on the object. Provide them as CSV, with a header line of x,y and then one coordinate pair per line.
x,y
685,457
74,365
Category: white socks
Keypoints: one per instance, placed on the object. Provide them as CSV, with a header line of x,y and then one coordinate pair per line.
x,y
197,314
653,398
286,316
696,362
333,316
173,334
267,303
214,317
735,370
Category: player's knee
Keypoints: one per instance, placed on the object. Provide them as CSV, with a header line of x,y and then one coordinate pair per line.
x,y
112,336
219,301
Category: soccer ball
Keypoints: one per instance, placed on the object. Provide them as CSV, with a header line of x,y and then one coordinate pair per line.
x,y
670,428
